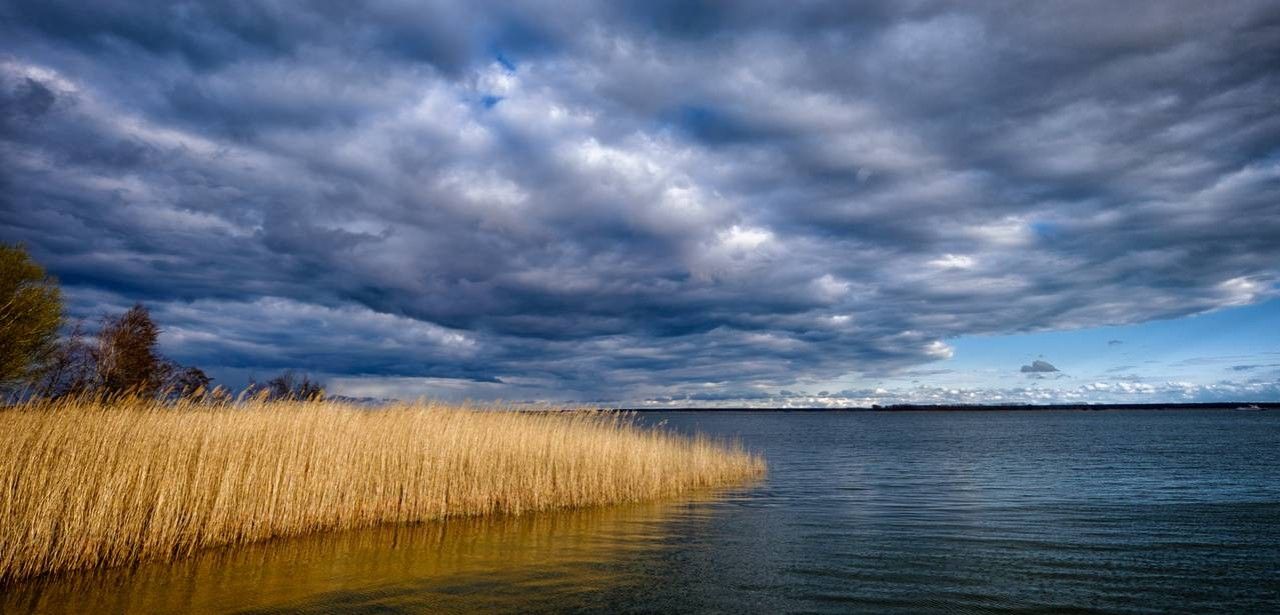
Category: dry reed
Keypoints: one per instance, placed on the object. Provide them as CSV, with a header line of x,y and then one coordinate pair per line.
x,y
85,485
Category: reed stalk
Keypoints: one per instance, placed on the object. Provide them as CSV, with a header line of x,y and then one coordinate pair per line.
x,y
87,484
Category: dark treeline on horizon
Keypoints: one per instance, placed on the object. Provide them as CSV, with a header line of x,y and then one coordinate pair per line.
x,y
43,356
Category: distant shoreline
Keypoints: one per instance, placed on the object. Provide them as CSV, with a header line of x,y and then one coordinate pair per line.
x,y
1244,405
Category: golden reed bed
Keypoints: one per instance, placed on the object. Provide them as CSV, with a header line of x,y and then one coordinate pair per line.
x,y
86,485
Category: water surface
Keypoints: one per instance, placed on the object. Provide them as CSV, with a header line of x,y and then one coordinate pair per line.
x,y
1124,512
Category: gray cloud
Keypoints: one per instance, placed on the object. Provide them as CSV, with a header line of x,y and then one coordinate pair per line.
x,y
1038,367
1247,368
637,200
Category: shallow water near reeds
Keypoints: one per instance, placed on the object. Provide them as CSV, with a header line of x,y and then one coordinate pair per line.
x,y
1127,512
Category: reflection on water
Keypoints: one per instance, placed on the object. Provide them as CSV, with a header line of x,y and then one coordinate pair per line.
x,y
505,563
1116,512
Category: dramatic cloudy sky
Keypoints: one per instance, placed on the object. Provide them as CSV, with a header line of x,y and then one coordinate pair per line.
x,y
665,202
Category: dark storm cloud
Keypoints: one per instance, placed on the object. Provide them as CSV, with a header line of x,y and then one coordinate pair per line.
x,y
625,200
1038,367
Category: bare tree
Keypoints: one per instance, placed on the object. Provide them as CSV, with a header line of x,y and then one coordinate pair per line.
x,y
125,358
71,371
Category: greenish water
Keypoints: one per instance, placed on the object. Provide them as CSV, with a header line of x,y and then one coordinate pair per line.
x,y
1125,512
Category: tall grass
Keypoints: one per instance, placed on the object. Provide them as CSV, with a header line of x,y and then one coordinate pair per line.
x,y
85,484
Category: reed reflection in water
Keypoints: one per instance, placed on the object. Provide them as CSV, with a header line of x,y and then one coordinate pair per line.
x,y
528,562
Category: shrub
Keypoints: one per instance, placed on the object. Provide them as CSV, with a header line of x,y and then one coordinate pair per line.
x,y
290,386
30,315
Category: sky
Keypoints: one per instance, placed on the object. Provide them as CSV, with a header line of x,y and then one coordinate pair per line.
x,y
660,203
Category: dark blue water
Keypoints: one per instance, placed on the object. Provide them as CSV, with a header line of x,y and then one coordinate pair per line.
x,y
983,511
1117,512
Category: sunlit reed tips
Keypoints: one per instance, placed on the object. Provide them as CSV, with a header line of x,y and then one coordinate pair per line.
x,y
85,485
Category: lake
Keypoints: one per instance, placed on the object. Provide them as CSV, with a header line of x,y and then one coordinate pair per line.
x,y
1050,511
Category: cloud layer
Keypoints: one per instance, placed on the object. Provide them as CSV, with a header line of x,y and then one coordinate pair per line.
x,y
638,200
